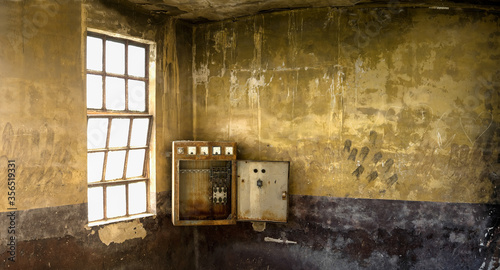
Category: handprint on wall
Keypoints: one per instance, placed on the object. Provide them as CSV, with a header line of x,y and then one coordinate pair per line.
x,y
377,167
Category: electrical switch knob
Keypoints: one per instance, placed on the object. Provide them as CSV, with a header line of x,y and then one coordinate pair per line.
x,y
259,183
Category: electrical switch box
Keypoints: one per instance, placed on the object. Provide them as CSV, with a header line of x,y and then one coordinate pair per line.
x,y
203,183
211,187
262,190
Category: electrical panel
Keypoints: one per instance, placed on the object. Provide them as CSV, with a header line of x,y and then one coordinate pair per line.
x,y
203,183
262,190
211,187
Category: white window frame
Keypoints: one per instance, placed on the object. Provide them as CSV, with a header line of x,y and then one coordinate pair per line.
x,y
150,158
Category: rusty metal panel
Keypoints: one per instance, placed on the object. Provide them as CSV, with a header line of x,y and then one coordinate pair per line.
x,y
203,183
262,190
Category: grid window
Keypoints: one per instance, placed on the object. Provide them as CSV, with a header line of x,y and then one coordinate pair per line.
x,y
118,128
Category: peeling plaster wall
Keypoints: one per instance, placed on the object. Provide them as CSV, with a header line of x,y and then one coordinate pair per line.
x,y
389,103
390,118
121,232
43,127
398,104
173,116
47,140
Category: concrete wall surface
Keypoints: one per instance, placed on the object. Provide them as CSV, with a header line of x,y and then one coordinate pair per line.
x,y
390,119
387,103
389,116
43,128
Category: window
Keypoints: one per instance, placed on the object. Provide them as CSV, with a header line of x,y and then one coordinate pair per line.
x,y
119,129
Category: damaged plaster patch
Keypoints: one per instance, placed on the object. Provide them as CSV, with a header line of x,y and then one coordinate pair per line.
x,y
253,86
200,76
121,232
234,95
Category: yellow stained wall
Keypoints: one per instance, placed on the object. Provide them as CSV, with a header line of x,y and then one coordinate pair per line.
x,y
42,103
43,98
419,86
391,103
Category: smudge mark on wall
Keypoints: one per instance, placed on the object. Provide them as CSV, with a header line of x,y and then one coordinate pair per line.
x,y
392,180
372,176
388,164
364,152
377,157
46,163
347,146
373,137
359,171
353,154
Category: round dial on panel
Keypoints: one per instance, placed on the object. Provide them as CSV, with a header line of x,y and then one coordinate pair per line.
x,y
204,150
229,150
216,150
180,150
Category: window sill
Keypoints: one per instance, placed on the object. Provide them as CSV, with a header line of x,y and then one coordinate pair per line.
x,y
118,219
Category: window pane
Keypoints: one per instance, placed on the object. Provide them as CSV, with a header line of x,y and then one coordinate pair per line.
x,y
135,164
136,61
119,132
94,53
94,91
115,93
115,165
115,201
95,162
95,203
139,135
97,131
136,95
137,198
115,57
118,88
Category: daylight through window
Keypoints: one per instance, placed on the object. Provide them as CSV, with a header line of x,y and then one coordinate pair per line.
x,y
118,128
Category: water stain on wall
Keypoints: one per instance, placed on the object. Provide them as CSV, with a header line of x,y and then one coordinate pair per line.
x,y
367,111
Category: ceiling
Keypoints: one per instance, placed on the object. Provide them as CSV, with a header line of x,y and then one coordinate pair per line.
x,y
216,10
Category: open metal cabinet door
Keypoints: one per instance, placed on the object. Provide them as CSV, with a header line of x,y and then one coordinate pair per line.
x,y
262,190
203,183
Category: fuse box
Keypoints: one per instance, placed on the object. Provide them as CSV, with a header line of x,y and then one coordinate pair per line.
x,y
211,187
